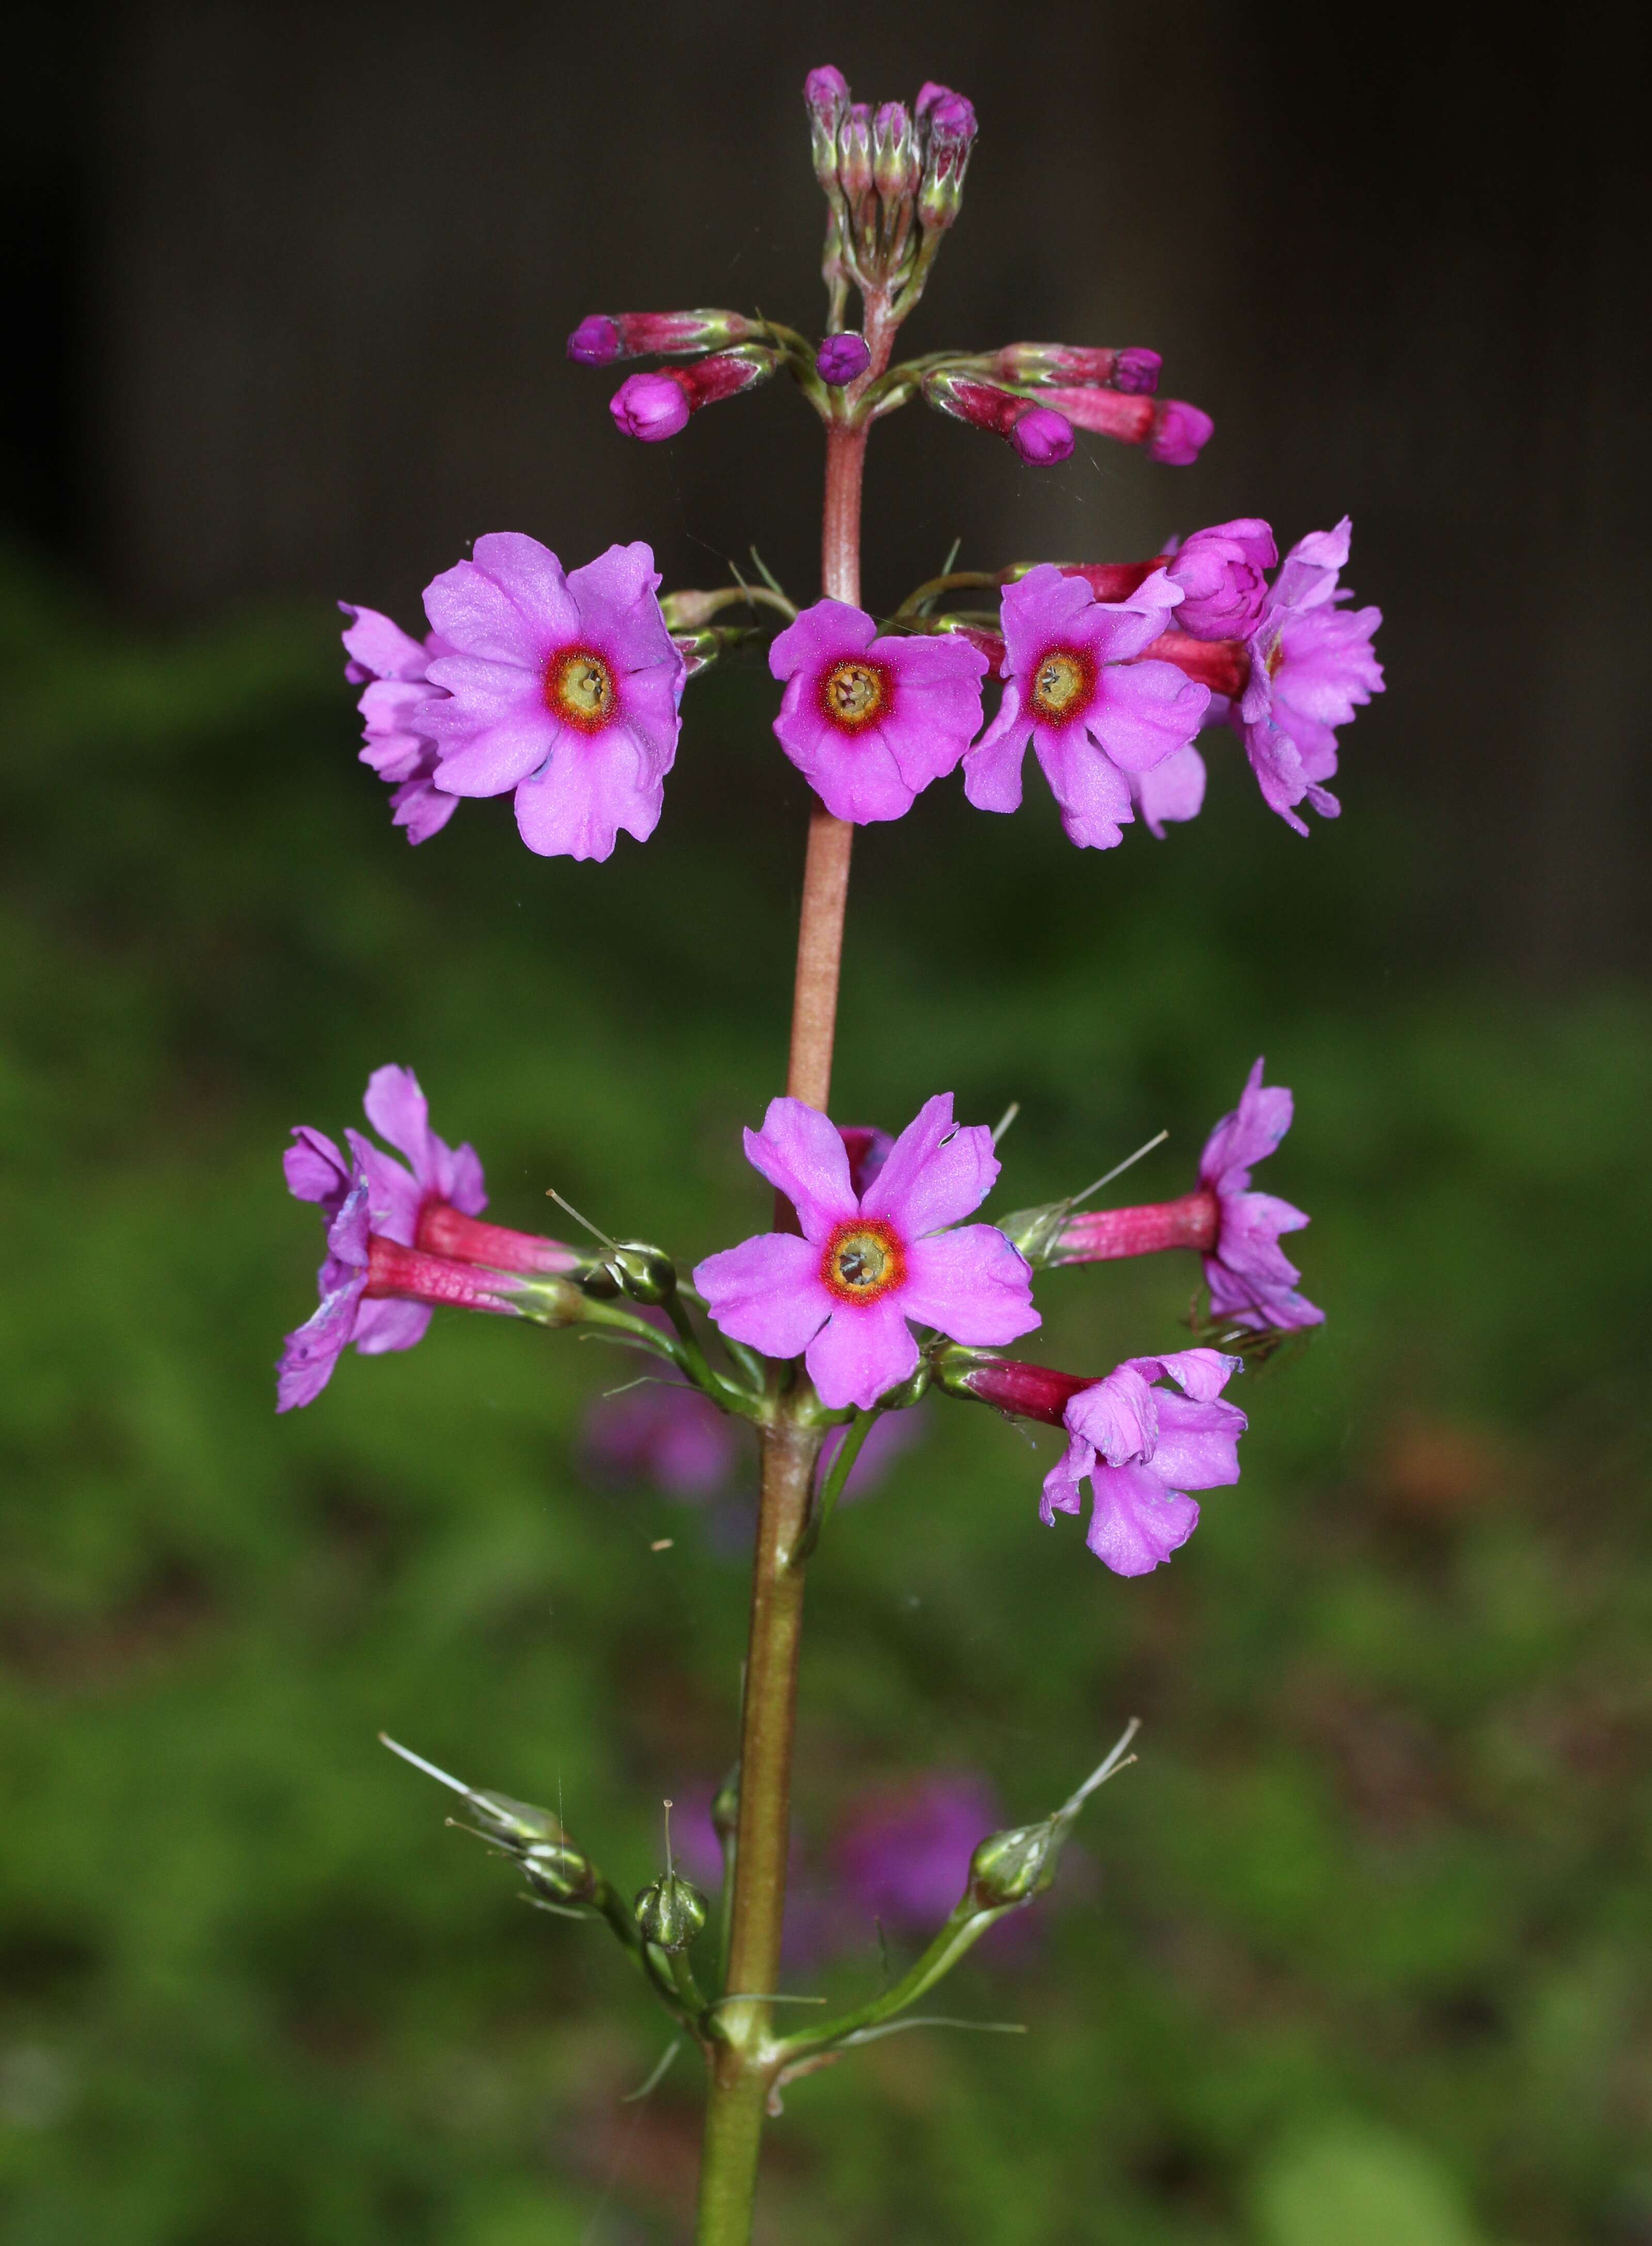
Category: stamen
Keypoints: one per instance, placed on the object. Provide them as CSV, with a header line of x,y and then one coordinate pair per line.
x,y
1062,684
579,689
854,693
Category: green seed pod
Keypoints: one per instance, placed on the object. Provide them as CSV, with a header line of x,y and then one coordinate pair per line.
x,y
518,1824
645,1273
670,1912
1011,1867
558,1871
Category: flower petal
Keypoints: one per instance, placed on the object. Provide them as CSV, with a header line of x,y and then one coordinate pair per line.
x,y
802,1153
992,767
1198,1443
587,791
1145,712
936,1171
1135,1522
1118,1416
509,602
972,1284
861,1353
314,1169
767,1292
1093,793
388,1325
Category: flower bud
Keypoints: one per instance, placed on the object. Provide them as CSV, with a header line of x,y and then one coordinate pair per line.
x,y
1011,1867
1130,371
1180,432
650,407
1172,431
1041,437
670,1912
894,160
645,1273
855,153
950,135
655,406
559,1872
984,405
842,359
602,338
1030,1392
1221,572
826,92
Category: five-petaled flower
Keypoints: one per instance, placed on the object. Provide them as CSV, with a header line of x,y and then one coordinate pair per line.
x,y
562,686
1311,665
1096,714
842,1295
1142,1447
870,722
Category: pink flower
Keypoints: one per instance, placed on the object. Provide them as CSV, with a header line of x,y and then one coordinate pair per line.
x,y
1250,1278
1142,1448
398,744
1311,665
562,687
1221,574
870,722
1094,712
1171,791
842,1295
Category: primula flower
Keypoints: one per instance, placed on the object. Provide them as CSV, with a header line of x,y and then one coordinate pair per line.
x,y
870,722
398,743
1251,1279
842,1295
1094,712
1142,1447
1312,664
563,687
1221,572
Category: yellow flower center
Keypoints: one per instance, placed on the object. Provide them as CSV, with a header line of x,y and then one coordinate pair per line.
x,y
854,693
862,1261
1062,683
579,689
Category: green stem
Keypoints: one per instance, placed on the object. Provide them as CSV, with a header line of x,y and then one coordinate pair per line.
x,y
842,1467
729,2161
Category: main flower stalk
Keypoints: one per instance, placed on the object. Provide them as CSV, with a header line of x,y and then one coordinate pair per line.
x,y
747,2059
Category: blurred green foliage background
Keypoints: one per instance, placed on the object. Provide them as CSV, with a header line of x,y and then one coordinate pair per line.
x,y
1363,1949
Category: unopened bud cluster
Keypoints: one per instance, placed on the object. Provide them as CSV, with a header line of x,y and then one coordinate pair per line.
x,y
893,179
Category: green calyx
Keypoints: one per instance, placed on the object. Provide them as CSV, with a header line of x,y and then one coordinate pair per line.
x,y
670,1912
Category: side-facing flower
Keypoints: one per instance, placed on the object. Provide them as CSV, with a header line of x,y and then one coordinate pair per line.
x,y
869,722
1312,664
842,1295
1251,1279
397,741
1078,689
1142,1447
562,687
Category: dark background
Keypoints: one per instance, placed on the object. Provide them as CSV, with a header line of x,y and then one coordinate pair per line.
x,y
1366,1939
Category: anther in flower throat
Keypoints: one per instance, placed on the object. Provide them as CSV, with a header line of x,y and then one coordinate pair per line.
x,y
856,694
579,689
862,1261
1063,684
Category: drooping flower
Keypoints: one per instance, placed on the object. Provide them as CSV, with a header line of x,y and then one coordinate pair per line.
x,y
1095,713
1252,1281
841,1296
1312,664
869,722
396,742
1142,1447
564,688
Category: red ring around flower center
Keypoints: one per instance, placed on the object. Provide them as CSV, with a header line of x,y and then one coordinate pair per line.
x,y
579,689
856,693
863,1260
1063,684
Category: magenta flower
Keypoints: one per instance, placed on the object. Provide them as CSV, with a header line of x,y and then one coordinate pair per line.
x,y
1171,792
1221,572
842,1295
870,722
1173,431
602,338
395,1195
1311,665
562,687
1142,1448
655,406
311,1351
398,743
1095,713
1250,1278
1041,436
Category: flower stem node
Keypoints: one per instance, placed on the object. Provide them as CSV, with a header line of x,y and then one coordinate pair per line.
x,y
670,1912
